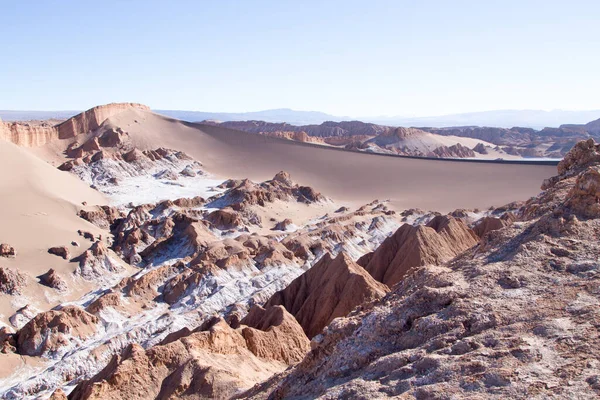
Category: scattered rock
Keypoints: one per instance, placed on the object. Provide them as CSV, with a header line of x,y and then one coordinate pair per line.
x,y
60,251
7,250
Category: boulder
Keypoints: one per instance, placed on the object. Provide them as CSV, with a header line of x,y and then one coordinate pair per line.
x,y
61,251
7,250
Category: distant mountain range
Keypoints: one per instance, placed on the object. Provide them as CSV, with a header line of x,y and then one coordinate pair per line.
x,y
537,119
277,115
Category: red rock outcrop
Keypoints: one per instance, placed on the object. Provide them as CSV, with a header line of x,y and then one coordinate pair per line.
x,y
53,280
283,225
274,334
61,251
241,194
442,239
582,155
7,250
330,289
111,299
488,224
102,216
214,362
11,281
7,341
58,394
96,262
28,134
584,198
47,332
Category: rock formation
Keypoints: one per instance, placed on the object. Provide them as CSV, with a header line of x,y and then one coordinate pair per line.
x,y
215,361
283,225
53,280
454,151
330,289
241,194
480,148
11,281
488,224
7,250
96,262
514,317
61,251
32,135
50,331
442,239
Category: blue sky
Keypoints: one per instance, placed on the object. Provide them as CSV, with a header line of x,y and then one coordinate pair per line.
x,y
353,58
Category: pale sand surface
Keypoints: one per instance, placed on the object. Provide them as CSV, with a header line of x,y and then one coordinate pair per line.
x,y
345,176
38,210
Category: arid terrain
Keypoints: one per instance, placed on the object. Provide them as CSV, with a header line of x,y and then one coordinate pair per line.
x,y
146,257
472,142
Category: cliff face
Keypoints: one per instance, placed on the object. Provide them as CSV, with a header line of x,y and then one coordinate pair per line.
x,y
27,135
93,118
32,135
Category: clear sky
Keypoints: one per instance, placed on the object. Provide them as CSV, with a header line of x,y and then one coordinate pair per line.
x,y
352,58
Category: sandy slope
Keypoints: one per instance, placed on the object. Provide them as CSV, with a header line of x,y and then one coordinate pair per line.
x,y
345,176
38,208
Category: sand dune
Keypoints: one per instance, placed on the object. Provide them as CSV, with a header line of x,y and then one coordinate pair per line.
x,y
38,210
345,176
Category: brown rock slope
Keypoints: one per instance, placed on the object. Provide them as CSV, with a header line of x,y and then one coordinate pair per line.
x,y
515,317
216,361
330,289
410,246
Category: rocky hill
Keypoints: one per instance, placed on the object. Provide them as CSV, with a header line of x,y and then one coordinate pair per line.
x,y
515,316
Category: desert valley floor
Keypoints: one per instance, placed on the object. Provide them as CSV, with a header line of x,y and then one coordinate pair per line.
x,y
147,257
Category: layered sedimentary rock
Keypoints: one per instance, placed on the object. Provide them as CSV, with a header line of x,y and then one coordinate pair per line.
x,y
330,289
410,246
